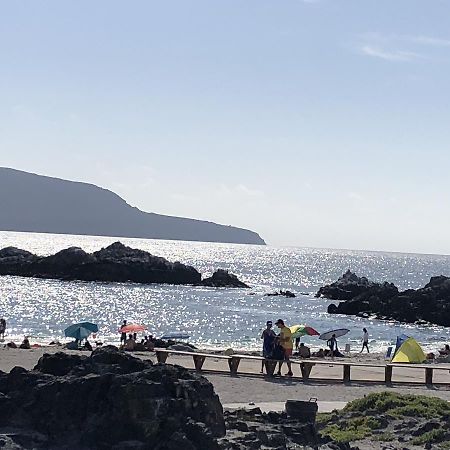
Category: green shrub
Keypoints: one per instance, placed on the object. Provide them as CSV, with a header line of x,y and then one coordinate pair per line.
x,y
431,437
323,418
351,429
399,405
359,418
384,437
339,434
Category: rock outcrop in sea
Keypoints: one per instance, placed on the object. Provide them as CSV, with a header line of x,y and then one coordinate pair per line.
x,y
362,297
287,294
109,400
222,278
115,263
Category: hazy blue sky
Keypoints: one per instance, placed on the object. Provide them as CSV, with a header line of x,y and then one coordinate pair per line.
x,y
316,123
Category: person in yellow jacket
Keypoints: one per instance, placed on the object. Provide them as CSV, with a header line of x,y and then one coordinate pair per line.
x,y
285,339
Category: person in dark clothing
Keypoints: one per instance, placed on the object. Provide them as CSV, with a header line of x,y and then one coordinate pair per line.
x,y
268,336
365,340
2,328
25,343
332,345
123,336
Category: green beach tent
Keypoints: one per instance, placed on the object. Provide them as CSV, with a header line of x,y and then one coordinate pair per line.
x,y
409,352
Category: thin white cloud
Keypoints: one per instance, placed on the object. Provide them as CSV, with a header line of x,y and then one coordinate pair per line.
x,y
397,47
389,55
401,47
183,197
240,189
392,38
427,40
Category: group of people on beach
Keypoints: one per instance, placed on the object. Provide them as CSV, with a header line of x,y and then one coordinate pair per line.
x,y
280,346
131,342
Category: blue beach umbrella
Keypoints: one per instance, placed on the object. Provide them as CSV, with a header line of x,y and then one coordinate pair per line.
x,y
80,330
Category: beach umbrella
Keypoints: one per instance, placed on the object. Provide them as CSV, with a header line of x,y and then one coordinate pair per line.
x,y
80,330
132,328
303,330
340,332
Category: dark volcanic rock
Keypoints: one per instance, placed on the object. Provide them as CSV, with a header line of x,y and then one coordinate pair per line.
x,y
282,293
350,285
113,263
362,297
222,278
252,429
61,363
108,401
13,255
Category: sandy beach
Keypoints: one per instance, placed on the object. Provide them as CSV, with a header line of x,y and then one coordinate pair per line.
x,y
252,387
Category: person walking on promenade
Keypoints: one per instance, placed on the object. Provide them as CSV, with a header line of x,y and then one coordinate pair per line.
x,y
365,341
268,336
285,338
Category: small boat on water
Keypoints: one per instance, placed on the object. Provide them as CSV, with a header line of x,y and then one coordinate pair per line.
x,y
176,335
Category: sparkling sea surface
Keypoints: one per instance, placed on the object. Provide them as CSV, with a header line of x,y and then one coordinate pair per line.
x,y
214,318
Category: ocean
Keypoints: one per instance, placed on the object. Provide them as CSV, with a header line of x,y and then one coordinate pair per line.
x,y
214,318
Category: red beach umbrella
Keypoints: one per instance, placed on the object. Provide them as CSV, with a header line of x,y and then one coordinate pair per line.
x,y
132,328
310,331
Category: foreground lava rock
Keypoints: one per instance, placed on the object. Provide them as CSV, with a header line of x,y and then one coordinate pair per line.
x,y
113,263
362,297
109,400
252,429
222,278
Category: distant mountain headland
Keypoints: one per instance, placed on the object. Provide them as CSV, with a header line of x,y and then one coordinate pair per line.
x,y
36,203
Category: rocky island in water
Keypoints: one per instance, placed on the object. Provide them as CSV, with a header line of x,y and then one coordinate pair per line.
x,y
115,263
361,297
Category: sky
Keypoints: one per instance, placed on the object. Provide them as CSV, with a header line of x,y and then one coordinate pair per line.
x,y
316,123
